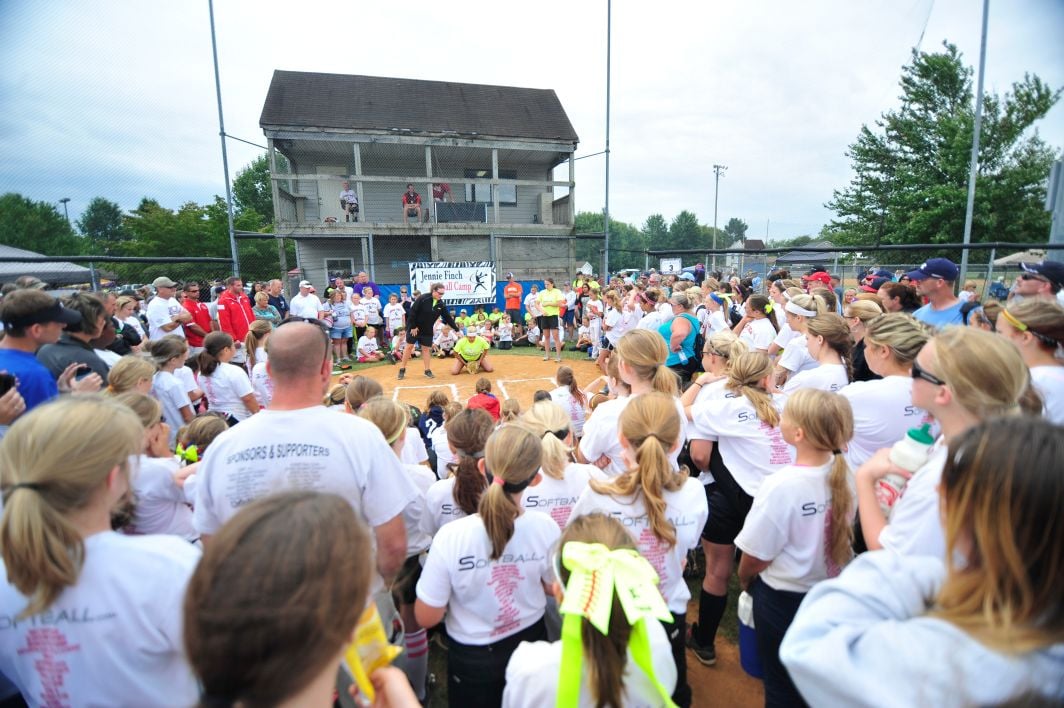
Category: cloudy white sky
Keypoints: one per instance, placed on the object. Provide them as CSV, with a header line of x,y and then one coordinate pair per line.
x,y
116,98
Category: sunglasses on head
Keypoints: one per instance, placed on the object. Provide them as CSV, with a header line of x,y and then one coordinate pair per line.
x,y
920,373
1033,276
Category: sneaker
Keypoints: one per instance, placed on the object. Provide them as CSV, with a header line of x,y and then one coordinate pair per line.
x,y
430,375
546,358
402,374
706,655
558,359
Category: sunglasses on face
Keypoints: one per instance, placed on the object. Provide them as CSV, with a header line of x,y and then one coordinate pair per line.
x,y
920,373
1033,276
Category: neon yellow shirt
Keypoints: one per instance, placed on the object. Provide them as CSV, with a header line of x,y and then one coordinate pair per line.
x,y
550,301
471,350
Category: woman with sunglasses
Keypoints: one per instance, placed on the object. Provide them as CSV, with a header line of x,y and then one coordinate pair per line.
x,y
961,377
983,625
1036,327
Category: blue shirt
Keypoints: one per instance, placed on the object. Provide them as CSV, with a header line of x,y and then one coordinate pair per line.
x,y
35,383
940,318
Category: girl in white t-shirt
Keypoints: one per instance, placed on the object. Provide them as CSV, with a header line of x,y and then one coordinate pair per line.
x,y
169,355
781,295
505,333
800,528
571,399
601,665
458,493
883,409
227,386
716,318
358,315
368,349
796,357
438,438
487,573
757,327
829,343
255,342
662,508
721,349
1036,327
746,447
595,309
372,304
394,315
563,480
962,376
274,604
391,419
76,586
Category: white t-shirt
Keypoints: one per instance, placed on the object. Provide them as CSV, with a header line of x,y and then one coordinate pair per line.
x,y
161,312
750,449
788,525
440,506
686,509
506,332
1048,381
262,384
785,335
715,323
416,538
602,436
171,394
883,413
651,320
534,668
758,334
826,377
488,600
359,314
795,357
161,505
532,304
571,405
188,378
225,388
444,456
556,497
610,323
310,448
134,322
394,315
305,306
112,639
915,522
366,345
373,310
414,451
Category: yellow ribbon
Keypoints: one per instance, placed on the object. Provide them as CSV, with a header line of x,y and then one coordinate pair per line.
x,y
596,572
188,454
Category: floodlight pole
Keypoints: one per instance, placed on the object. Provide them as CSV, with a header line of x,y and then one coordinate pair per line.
x,y
974,165
225,157
606,210
717,169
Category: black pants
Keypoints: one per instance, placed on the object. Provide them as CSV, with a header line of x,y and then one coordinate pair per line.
x,y
476,675
676,631
774,610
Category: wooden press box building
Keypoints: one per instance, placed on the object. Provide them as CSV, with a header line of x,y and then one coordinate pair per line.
x,y
501,151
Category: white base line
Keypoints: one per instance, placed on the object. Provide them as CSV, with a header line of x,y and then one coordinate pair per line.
x,y
501,383
453,387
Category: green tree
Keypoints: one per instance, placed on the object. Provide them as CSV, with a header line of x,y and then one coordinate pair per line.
x,y
626,242
735,231
37,226
684,232
251,189
911,168
102,225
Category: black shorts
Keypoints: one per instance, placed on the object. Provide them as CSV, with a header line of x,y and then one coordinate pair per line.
x,y
728,504
515,316
405,586
548,322
424,340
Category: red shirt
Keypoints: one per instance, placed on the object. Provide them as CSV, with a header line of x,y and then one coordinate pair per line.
x,y
234,315
409,198
512,292
438,190
486,401
200,316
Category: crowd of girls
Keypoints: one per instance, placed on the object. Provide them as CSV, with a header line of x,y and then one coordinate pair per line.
x,y
765,449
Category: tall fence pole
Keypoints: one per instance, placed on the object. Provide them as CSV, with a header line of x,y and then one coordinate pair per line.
x,y
974,166
989,272
606,210
225,156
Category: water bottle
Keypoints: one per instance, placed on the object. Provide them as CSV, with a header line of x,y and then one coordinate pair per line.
x,y
682,356
910,454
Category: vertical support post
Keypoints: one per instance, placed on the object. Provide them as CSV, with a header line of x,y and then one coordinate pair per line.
x,y
973,167
372,264
606,208
356,153
365,253
428,201
572,191
989,272
225,157
275,192
495,184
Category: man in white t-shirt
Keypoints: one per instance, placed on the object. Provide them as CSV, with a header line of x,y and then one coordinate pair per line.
x,y
165,313
306,303
298,443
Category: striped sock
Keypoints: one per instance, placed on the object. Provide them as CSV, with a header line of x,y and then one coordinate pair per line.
x,y
417,661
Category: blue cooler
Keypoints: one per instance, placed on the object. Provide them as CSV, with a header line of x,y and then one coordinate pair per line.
x,y
748,656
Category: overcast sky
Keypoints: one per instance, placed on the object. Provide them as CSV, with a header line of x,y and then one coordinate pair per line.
x,y
116,98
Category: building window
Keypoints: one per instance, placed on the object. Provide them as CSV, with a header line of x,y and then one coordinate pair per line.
x,y
339,268
482,192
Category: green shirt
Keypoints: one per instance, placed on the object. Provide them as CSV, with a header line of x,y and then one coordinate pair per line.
x,y
550,301
471,350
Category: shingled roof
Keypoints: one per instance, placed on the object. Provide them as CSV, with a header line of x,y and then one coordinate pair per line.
x,y
303,99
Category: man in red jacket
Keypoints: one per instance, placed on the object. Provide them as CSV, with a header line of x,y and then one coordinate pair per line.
x,y
234,315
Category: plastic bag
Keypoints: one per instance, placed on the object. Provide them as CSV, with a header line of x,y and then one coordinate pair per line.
x,y
369,651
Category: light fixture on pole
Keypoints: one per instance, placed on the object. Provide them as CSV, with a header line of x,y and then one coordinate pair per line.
x,y
64,201
717,169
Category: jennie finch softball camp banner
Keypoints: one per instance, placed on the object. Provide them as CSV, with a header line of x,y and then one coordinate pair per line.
x,y
467,282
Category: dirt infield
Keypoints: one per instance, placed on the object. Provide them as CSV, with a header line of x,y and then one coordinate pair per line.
x,y
515,376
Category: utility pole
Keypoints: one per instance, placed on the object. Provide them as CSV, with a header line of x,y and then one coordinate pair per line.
x,y
717,169
64,201
606,210
974,166
225,158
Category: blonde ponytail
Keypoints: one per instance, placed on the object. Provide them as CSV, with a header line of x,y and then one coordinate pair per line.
x,y
745,376
54,461
644,353
548,421
651,425
512,458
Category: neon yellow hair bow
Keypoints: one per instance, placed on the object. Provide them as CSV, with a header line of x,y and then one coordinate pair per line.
x,y
768,309
188,454
596,572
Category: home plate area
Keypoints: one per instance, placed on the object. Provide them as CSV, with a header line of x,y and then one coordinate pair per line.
x,y
521,389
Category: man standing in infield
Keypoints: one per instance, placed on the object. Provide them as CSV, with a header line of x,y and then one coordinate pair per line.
x,y
423,315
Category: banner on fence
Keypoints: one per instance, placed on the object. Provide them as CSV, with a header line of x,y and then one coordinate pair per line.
x,y
467,282
670,265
